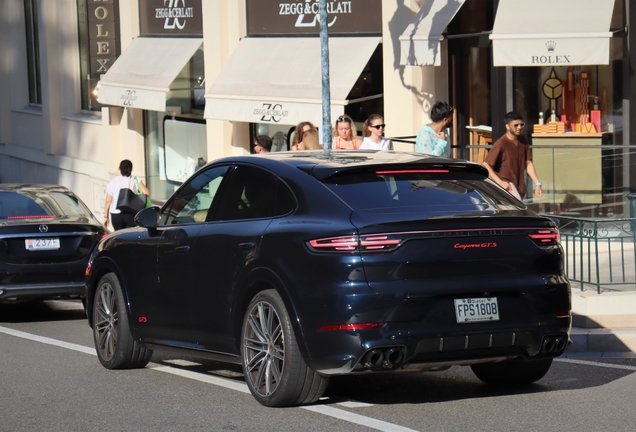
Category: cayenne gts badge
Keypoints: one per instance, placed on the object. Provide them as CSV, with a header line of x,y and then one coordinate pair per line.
x,y
475,245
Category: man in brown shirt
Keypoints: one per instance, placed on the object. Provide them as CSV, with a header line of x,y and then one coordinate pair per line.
x,y
510,157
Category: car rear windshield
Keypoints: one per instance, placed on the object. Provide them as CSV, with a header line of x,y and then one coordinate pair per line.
x,y
29,205
418,191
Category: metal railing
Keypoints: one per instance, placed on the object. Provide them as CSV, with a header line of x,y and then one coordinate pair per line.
x,y
599,252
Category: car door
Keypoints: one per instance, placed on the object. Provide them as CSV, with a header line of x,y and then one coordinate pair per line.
x,y
228,247
181,221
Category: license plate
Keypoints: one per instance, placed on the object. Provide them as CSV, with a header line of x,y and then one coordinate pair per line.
x,y
470,310
51,243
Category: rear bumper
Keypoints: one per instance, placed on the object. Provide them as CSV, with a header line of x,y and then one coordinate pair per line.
x,y
386,349
42,291
423,330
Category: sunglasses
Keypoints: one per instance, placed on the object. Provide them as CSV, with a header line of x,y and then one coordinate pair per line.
x,y
378,126
520,125
343,120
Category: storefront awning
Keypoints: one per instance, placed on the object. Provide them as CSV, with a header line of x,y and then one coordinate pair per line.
x,y
279,80
552,33
142,74
419,44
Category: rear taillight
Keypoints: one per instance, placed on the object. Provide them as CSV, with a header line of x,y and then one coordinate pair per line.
x,y
388,242
413,171
350,327
89,267
546,237
363,243
335,244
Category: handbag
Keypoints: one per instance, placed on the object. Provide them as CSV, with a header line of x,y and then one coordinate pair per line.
x,y
148,202
131,202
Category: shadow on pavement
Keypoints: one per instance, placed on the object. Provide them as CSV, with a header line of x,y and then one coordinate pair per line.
x,y
460,383
456,383
38,311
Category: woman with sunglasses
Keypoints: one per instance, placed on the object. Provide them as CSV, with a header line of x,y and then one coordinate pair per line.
x,y
432,139
374,134
344,134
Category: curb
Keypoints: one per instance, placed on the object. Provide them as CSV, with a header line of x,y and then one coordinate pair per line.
x,y
602,340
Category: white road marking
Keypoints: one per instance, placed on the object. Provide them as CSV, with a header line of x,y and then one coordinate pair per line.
x,y
354,404
226,383
197,376
356,418
241,387
49,341
591,363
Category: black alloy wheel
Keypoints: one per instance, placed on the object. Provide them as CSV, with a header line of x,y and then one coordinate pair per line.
x,y
274,369
114,343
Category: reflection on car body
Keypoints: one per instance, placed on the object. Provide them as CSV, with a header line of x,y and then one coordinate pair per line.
x,y
303,266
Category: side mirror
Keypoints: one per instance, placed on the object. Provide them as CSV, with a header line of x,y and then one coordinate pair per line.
x,y
148,217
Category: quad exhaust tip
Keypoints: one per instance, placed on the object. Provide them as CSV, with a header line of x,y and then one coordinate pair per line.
x,y
383,358
554,344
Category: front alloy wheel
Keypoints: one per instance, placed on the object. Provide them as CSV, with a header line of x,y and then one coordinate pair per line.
x,y
114,343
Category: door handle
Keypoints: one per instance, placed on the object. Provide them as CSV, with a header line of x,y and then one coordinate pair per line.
x,y
182,249
247,246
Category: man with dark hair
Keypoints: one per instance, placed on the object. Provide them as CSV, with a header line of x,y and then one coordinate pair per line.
x,y
262,144
510,157
432,139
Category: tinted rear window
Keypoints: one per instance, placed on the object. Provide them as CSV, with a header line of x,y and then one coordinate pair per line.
x,y
14,205
442,193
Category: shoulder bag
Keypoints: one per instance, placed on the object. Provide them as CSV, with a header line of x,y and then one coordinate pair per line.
x,y
131,202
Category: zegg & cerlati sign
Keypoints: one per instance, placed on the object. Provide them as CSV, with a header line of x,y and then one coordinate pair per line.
x,y
301,17
170,18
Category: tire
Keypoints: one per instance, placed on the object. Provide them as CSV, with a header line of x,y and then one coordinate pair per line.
x,y
274,368
114,343
512,372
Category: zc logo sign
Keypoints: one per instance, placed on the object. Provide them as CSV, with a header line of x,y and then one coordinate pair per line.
x,y
129,97
271,112
175,15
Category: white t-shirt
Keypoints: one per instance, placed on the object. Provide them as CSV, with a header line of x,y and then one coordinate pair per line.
x,y
115,185
367,144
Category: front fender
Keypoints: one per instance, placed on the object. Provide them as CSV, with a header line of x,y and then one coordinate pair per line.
x,y
100,266
246,288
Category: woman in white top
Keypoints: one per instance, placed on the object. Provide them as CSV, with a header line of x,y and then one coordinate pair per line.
x,y
125,180
373,134
344,134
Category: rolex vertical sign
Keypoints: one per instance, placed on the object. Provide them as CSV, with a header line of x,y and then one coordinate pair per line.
x,y
102,35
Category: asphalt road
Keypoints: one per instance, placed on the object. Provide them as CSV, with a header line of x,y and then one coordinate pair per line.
x,y
50,379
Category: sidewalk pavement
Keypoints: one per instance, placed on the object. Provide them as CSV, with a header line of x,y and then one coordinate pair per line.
x,y
604,325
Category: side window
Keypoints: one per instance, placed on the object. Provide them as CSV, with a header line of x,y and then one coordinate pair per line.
x,y
254,193
193,201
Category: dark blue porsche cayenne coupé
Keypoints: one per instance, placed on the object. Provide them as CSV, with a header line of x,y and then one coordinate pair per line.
x,y
300,266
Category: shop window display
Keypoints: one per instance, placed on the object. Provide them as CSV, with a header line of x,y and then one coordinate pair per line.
x,y
176,141
574,117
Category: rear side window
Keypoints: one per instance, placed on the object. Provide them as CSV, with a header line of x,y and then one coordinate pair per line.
x,y
443,193
253,193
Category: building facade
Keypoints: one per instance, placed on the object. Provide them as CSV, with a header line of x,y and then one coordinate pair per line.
x,y
172,84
